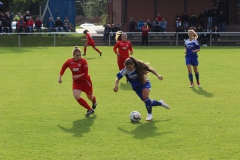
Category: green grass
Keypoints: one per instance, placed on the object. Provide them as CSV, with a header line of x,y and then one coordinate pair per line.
x,y
39,118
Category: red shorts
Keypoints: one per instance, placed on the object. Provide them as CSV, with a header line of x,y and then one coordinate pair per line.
x,y
91,43
83,85
121,62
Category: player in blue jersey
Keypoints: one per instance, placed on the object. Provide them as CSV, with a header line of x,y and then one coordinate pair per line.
x,y
192,47
136,72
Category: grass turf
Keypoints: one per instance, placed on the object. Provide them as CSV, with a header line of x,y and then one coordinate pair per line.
x,y
41,120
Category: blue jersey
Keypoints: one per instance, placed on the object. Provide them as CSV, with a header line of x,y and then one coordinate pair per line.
x,y
132,77
191,45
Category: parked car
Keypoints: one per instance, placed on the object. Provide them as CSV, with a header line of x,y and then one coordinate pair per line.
x,y
86,25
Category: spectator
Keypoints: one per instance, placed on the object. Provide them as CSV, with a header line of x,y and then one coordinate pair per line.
x,y
159,17
149,24
66,24
50,25
178,20
38,25
199,31
180,35
132,25
206,35
193,20
215,15
107,30
1,19
16,18
156,25
140,25
8,18
27,16
210,16
215,33
59,25
185,19
163,25
5,25
1,7
185,35
202,18
21,25
114,29
145,29
30,23
221,22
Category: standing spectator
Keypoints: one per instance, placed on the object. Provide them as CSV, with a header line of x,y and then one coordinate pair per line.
x,y
1,19
21,25
81,80
5,25
122,49
132,25
159,17
140,24
145,30
180,35
215,15
149,24
163,24
59,25
221,22
210,16
156,25
66,24
50,25
27,16
38,25
178,20
199,31
191,56
215,33
1,7
185,19
30,23
193,20
202,18
107,30
90,42
114,29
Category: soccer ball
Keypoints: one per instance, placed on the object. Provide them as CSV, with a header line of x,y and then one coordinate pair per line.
x,y
135,116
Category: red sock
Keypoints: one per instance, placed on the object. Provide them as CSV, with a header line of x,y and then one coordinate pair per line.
x,y
97,50
83,103
85,49
94,100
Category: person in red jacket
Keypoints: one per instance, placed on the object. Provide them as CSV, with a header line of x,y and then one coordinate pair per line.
x,y
30,23
145,30
21,25
38,25
122,49
81,80
90,42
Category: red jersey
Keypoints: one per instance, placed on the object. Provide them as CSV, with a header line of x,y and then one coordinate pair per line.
x,y
123,48
77,67
145,31
89,38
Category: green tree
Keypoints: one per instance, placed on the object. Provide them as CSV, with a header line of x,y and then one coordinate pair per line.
x,y
7,3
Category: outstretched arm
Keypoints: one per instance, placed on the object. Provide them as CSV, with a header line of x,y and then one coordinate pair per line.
x,y
156,74
115,89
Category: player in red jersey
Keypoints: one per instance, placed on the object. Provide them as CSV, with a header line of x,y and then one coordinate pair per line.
x,y
90,42
122,49
81,80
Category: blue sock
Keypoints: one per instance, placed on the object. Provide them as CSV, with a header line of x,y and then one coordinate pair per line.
x,y
156,103
190,77
197,76
148,104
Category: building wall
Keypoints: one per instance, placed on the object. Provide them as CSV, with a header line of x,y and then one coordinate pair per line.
x,y
117,5
166,8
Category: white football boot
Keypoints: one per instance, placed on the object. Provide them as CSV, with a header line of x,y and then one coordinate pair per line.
x,y
149,117
165,105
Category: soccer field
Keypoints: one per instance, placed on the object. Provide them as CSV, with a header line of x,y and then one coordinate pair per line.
x,y
40,119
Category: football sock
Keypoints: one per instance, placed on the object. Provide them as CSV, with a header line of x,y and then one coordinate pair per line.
x,y
197,76
156,103
85,49
148,104
83,103
190,77
94,100
97,50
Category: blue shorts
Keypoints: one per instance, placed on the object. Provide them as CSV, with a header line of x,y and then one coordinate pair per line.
x,y
191,60
139,89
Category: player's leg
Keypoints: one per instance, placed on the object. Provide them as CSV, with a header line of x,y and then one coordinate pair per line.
x,y
96,49
87,88
81,101
195,68
190,76
85,49
148,103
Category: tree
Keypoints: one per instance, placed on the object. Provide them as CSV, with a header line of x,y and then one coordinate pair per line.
x,y
6,3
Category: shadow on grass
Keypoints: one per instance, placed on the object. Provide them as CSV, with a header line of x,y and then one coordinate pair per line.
x,y
125,86
80,126
201,91
145,130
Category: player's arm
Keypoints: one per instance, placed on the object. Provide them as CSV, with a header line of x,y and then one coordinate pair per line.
x,y
156,74
115,49
197,48
64,67
119,76
130,48
115,88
